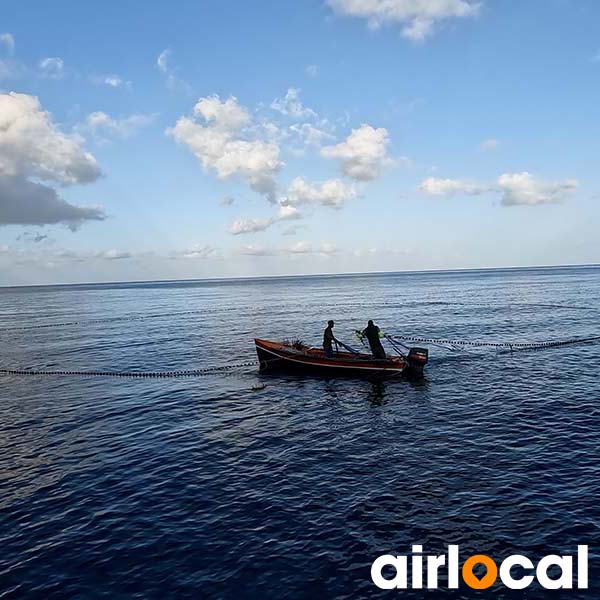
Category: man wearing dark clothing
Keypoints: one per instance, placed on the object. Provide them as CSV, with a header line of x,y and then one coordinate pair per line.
x,y
328,339
372,334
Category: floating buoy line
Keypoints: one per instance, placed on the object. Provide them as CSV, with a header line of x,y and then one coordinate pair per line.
x,y
228,369
137,374
461,344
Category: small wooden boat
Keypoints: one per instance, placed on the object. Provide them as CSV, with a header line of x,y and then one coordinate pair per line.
x,y
296,357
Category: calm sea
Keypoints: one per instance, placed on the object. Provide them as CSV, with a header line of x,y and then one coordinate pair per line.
x,y
206,488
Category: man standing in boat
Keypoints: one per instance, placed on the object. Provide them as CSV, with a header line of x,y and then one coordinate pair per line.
x,y
328,339
372,334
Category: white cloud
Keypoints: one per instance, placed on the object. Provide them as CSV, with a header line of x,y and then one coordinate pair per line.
x,y
52,67
114,255
163,63
225,142
333,193
324,249
32,146
226,116
34,150
300,248
516,189
433,186
288,213
101,123
291,106
47,256
312,70
310,134
417,18
523,188
363,154
245,226
8,41
114,81
200,251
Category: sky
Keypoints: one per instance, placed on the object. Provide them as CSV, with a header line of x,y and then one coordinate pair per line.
x,y
227,138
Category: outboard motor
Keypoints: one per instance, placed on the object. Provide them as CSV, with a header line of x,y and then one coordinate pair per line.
x,y
416,360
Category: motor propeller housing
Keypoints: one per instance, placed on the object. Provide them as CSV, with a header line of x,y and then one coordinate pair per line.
x,y
416,359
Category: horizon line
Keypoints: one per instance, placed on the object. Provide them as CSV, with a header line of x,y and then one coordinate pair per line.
x,y
344,274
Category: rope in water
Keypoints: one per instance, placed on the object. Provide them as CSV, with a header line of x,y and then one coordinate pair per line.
x,y
510,345
137,374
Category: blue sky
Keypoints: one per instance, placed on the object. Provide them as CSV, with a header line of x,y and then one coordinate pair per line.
x,y
225,138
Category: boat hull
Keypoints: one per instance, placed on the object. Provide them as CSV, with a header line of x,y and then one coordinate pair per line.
x,y
275,356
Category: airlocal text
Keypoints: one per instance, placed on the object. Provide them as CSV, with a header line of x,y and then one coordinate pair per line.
x,y
425,570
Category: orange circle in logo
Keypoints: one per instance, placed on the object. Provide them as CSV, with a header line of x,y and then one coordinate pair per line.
x,y
472,580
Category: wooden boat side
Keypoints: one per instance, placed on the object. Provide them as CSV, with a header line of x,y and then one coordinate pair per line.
x,y
275,355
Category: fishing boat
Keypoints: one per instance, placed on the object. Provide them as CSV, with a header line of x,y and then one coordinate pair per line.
x,y
299,358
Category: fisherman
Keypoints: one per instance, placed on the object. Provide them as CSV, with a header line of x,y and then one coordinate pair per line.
x,y
328,339
372,334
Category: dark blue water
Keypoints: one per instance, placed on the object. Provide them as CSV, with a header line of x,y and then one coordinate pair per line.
x,y
206,488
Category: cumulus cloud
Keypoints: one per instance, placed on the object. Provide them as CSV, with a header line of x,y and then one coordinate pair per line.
x,y
433,186
52,67
523,188
100,123
33,151
242,226
291,106
416,18
24,202
8,41
516,189
363,154
32,146
222,139
333,193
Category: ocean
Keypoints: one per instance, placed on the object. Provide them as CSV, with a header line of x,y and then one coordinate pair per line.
x,y
203,487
